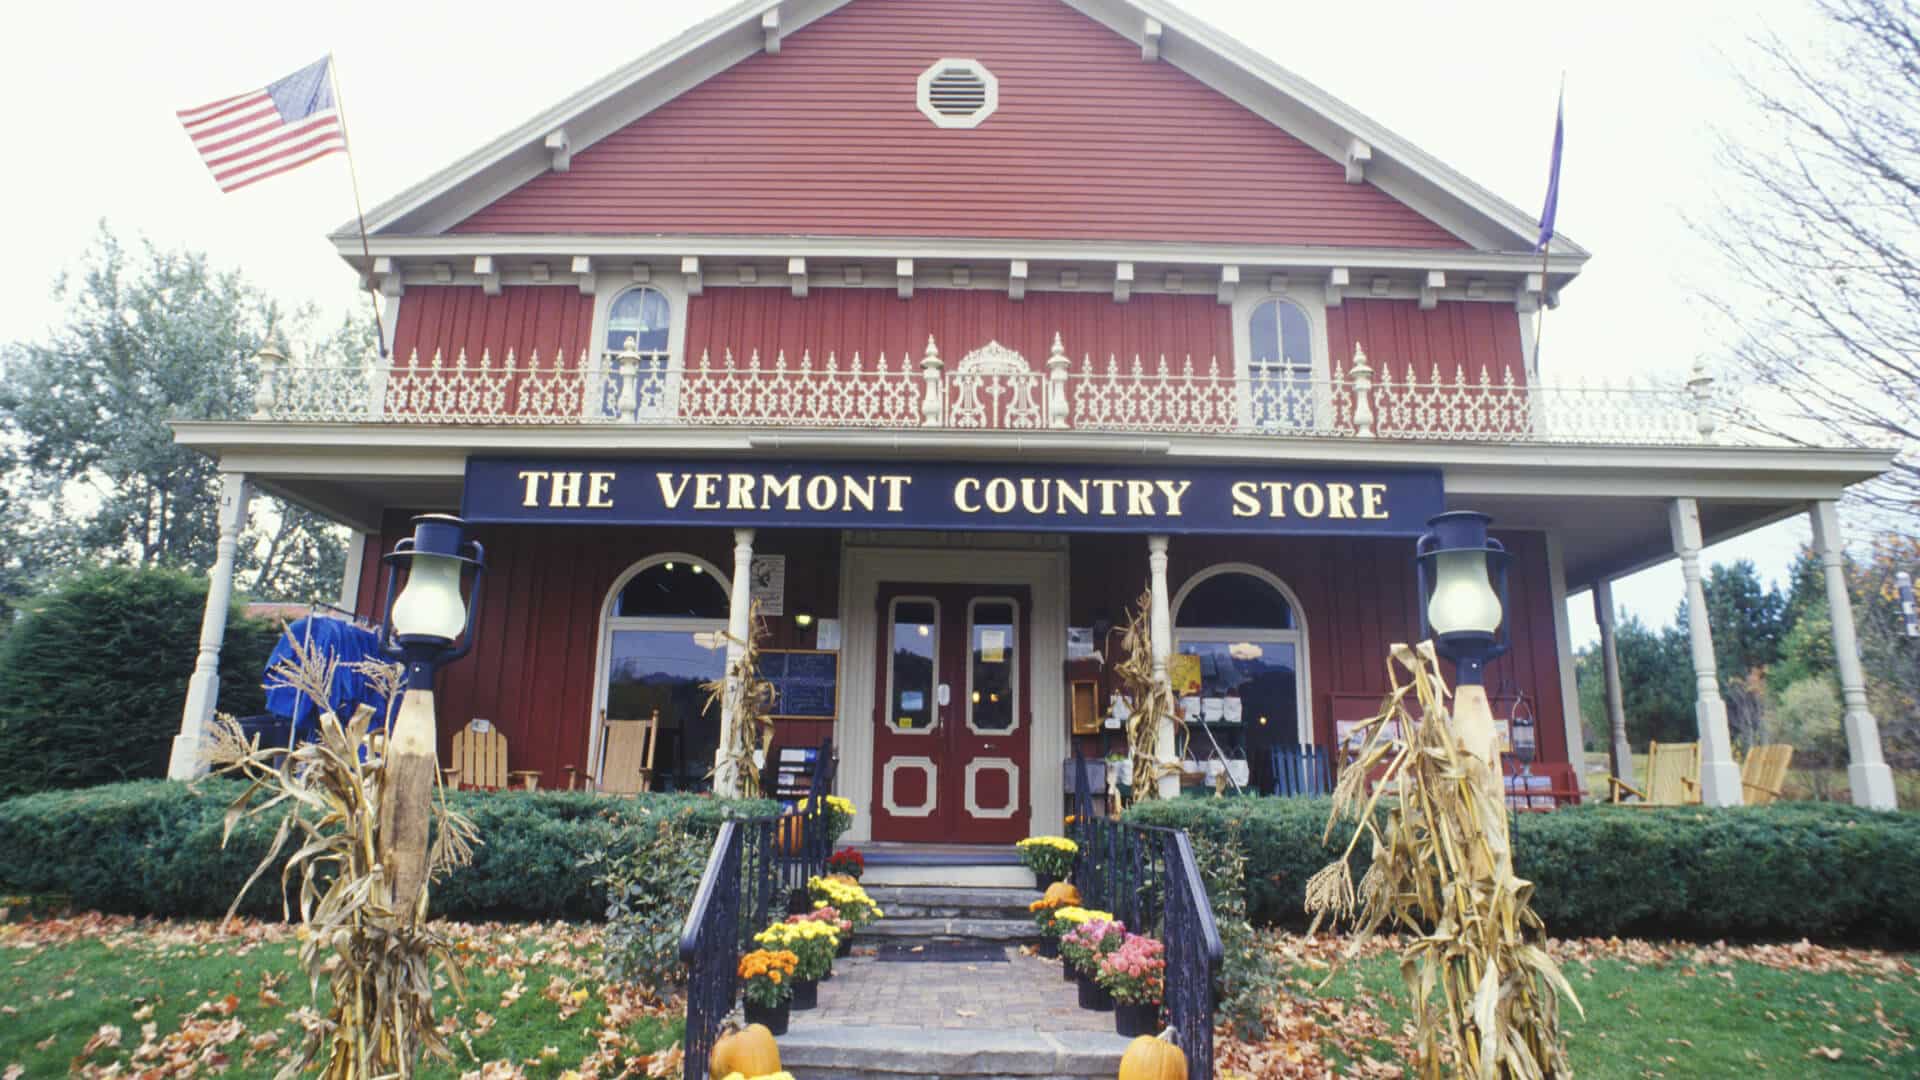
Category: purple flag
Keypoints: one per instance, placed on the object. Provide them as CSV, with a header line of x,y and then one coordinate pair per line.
x,y
1553,174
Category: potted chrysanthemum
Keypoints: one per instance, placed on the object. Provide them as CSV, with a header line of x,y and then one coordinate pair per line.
x,y
766,987
1049,857
1082,948
813,945
1136,975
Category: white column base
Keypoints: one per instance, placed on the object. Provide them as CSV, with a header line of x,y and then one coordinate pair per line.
x,y
1720,783
189,762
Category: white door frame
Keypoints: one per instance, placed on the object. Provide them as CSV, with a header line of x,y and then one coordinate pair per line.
x,y
862,569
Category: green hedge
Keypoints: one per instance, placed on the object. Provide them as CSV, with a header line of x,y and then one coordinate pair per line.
x,y
1787,871
153,848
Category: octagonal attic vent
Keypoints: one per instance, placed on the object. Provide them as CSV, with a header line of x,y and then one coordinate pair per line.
x,y
956,93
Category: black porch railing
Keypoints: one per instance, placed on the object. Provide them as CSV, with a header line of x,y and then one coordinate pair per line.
x,y
1148,878
756,873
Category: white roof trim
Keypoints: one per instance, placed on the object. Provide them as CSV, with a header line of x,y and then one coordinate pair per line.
x,y
1298,107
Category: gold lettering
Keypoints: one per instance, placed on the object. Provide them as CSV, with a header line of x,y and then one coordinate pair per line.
x,y
532,478
1174,493
894,485
1371,496
564,489
1277,496
1341,496
706,491
1034,498
1107,488
856,493
739,491
668,493
960,495
772,487
1139,498
821,491
597,490
1245,502
1000,495
1069,495
1309,501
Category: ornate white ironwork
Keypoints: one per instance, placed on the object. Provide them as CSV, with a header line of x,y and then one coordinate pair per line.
x,y
992,388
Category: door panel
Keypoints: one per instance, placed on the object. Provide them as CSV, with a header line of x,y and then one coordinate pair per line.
x,y
951,730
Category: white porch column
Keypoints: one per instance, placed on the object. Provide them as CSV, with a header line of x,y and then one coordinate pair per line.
x,y
203,689
1619,751
1867,772
1570,719
726,779
1719,775
1160,626
350,576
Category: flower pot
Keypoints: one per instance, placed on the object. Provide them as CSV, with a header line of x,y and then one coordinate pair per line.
x,y
1042,880
1068,972
1131,1020
799,902
806,994
1093,995
1050,947
846,946
773,1016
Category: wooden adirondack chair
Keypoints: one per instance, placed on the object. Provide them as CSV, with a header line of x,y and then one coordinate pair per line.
x,y
1301,770
1764,773
1673,776
480,760
626,755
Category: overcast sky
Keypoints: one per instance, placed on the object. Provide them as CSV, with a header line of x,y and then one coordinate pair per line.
x,y
92,93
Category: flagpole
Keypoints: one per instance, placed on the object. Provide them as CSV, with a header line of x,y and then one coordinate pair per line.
x,y
1546,245
353,174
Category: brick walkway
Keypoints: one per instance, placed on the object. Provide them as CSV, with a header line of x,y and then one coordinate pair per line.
x,y
1024,994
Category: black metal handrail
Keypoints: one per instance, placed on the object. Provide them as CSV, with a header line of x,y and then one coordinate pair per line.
x,y
1148,878
756,872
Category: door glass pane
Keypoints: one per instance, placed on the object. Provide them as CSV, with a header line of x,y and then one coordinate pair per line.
x,y
915,635
663,670
991,660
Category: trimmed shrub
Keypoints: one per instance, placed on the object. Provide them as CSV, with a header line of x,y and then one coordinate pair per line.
x,y
650,889
1786,871
153,848
94,677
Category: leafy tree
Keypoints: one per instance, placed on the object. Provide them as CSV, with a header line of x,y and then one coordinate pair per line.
x,y
1820,229
1656,679
151,336
1748,621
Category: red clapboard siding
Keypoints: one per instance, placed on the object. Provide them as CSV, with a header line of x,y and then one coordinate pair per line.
x,y
1089,142
1454,333
959,320
550,319
531,672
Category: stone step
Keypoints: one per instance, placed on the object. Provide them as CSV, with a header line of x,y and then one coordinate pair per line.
x,y
949,901
987,875
964,929
869,1052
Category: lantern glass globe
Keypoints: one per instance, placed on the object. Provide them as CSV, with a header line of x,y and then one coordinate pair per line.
x,y
1463,598
430,605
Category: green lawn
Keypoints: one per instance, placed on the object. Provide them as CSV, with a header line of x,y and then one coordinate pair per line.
x,y
1687,1011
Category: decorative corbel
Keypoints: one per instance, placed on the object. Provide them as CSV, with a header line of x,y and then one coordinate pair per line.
x,y
1358,155
643,272
1122,282
797,275
1476,288
559,150
1017,280
1174,280
1069,279
1150,39
1337,281
387,276
690,269
851,274
903,278
1526,299
962,276
1229,282
746,273
443,273
1276,283
1381,285
583,274
770,29
1430,291
540,272
488,273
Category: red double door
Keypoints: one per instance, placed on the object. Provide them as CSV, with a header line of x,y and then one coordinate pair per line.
x,y
952,722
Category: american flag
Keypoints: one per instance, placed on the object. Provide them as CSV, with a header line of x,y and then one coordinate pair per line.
x,y
264,133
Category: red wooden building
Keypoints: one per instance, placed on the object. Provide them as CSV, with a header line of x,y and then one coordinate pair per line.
x,y
947,331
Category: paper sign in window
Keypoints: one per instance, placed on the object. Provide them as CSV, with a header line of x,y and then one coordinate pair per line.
x,y
993,646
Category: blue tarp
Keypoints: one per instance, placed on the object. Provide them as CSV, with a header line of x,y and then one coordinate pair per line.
x,y
347,642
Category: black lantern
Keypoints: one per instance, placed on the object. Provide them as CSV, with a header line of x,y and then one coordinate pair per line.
x,y
425,619
1463,591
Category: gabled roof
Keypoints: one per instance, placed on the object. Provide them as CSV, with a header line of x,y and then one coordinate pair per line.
x,y
1284,99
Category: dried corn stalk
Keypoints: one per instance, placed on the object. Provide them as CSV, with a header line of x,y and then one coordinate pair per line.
x,y
1442,874
742,694
378,961
1151,700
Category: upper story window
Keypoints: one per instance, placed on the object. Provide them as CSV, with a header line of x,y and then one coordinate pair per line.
x,y
644,315
1280,336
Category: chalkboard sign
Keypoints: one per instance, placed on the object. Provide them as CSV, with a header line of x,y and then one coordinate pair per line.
x,y
806,683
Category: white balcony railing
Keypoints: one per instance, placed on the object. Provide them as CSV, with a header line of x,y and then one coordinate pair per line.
x,y
991,389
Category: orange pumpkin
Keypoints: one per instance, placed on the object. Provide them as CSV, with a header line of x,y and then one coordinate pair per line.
x,y
1061,894
750,1051
1148,1058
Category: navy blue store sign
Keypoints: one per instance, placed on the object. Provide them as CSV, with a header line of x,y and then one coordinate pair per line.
x,y
1264,499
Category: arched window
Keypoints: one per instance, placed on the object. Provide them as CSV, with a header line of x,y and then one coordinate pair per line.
x,y
1280,335
1280,366
1245,627
644,315
663,634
